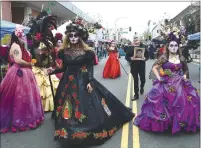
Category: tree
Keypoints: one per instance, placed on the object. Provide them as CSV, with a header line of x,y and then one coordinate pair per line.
x,y
147,35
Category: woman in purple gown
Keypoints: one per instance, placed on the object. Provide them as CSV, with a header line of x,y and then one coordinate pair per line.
x,y
173,101
20,105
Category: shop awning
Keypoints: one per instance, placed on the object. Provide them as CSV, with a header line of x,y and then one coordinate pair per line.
x,y
195,36
9,27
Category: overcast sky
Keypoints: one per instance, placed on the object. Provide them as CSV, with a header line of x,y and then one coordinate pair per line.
x,y
137,13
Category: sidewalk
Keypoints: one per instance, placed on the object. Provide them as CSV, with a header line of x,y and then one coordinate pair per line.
x,y
196,61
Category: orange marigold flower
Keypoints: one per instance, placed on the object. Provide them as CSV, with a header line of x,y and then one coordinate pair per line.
x,y
33,61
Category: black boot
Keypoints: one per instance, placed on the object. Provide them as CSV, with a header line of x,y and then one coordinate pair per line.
x,y
136,96
142,91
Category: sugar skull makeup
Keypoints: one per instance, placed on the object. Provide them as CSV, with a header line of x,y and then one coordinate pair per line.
x,y
73,37
173,47
19,32
59,43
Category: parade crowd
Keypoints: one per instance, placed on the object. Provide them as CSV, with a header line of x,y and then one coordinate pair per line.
x,y
54,73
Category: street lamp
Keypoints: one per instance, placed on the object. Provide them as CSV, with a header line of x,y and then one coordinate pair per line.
x,y
115,22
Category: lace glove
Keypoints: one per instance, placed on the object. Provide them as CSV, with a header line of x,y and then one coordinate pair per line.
x,y
58,70
90,70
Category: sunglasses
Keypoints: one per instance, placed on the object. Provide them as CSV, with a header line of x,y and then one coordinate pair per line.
x,y
73,35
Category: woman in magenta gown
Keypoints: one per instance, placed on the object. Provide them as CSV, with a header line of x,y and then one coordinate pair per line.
x,y
112,66
172,102
20,105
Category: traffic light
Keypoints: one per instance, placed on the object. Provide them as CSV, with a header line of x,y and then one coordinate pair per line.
x,y
149,37
129,28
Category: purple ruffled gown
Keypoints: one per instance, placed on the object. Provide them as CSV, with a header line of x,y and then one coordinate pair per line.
x,y
172,103
20,106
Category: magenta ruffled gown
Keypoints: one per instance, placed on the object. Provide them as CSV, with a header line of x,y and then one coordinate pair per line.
x,y
20,105
172,103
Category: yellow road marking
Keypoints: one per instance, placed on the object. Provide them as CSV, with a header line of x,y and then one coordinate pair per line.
x,y
124,137
136,139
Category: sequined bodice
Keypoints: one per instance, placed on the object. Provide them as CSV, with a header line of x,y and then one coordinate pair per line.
x,y
173,67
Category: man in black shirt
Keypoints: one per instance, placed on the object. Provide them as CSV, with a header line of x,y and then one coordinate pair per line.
x,y
138,66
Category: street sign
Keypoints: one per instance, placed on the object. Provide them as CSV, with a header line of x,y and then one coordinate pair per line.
x,y
124,32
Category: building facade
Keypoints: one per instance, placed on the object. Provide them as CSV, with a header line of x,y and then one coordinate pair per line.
x,y
16,11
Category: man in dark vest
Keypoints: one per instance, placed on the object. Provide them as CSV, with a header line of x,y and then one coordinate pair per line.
x,y
138,67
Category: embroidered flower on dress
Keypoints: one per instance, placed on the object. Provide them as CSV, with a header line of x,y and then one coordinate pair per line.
x,y
19,72
189,98
78,115
71,78
74,86
182,124
77,102
80,135
60,101
107,110
112,131
84,69
172,89
61,133
74,95
163,116
101,135
14,130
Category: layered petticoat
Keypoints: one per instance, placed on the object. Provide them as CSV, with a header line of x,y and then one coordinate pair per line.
x,y
45,89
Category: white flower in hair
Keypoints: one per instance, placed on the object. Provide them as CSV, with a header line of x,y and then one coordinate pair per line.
x,y
175,29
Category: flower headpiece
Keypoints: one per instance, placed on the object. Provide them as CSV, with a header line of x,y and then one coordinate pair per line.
x,y
58,36
19,31
173,34
77,26
40,29
112,42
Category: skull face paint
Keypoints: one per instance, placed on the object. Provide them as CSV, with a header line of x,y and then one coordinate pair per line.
x,y
173,47
59,43
19,32
73,37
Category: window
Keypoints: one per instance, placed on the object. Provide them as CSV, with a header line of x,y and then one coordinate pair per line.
x,y
17,15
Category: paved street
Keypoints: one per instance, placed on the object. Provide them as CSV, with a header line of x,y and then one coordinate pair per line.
x,y
128,137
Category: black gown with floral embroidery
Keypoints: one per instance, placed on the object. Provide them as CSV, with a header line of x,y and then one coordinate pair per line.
x,y
82,117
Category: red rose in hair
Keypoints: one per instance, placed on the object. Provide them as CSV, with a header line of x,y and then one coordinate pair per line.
x,y
58,36
38,36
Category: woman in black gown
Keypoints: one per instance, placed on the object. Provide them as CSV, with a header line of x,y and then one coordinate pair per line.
x,y
86,113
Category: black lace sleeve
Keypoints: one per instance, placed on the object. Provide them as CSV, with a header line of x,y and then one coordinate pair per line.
x,y
90,57
59,70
